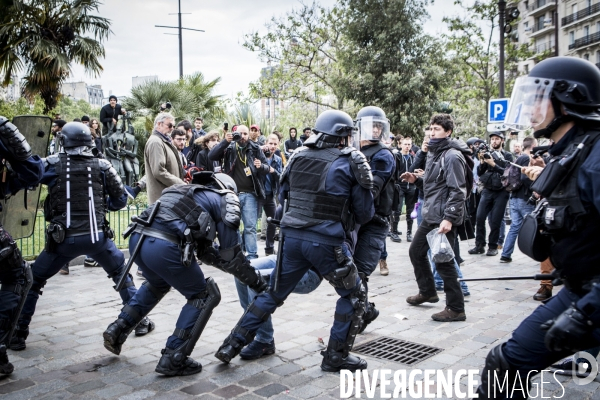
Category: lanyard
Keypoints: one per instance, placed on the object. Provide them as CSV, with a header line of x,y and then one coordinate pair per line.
x,y
240,156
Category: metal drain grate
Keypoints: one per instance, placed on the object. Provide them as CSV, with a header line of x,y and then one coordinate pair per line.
x,y
397,350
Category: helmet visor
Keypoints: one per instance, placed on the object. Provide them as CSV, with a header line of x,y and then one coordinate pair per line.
x,y
529,103
373,129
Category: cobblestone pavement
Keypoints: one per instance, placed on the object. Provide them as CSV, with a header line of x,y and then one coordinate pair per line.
x,y
65,357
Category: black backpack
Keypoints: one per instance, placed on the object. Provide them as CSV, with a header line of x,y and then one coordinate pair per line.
x,y
511,178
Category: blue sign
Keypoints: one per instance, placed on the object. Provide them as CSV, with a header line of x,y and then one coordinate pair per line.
x,y
497,109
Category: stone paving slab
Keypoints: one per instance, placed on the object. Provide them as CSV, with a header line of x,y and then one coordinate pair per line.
x,y
65,358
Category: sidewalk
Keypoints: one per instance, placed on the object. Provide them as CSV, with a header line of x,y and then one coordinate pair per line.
x,y
65,357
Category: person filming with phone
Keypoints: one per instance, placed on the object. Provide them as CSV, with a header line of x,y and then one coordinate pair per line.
x,y
493,160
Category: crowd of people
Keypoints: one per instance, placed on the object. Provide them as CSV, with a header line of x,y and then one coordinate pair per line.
x,y
336,194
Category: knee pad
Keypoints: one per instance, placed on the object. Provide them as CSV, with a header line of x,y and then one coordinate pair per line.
x,y
499,378
159,294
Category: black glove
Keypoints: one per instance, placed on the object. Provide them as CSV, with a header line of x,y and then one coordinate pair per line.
x,y
571,331
208,255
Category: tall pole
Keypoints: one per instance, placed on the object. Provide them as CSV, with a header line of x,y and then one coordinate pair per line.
x,y
556,29
180,45
502,10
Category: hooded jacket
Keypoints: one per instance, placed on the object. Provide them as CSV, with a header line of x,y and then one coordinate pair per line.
x,y
445,189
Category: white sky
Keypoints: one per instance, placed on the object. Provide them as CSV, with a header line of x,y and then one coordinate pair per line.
x,y
137,48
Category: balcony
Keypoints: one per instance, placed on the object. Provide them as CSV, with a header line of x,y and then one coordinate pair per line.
x,y
585,41
540,29
541,6
580,15
544,47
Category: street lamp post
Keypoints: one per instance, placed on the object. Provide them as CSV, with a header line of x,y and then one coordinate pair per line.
x,y
501,12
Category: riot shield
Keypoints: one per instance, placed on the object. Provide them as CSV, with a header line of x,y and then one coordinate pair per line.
x,y
19,211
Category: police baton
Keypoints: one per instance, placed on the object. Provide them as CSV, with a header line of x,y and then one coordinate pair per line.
x,y
138,246
536,277
279,263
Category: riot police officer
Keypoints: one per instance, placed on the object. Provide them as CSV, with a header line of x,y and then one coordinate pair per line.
x,y
185,218
372,125
81,188
328,189
15,274
560,100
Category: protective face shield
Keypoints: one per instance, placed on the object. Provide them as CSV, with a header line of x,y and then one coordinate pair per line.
x,y
373,129
529,103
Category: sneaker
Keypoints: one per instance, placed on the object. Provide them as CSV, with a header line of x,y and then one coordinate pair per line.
x,y
439,288
383,268
467,293
256,350
543,293
449,316
492,252
396,237
459,261
139,273
420,299
477,250
64,270
567,366
504,259
144,327
90,262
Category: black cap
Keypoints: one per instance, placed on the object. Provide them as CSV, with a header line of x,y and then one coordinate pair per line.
x,y
85,118
497,133
112,96
59,122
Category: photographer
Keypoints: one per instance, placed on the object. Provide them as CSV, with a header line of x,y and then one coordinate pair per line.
x,y
493,196
245,162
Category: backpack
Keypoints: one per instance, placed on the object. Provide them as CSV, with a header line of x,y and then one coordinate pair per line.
x,y
469,177
511,178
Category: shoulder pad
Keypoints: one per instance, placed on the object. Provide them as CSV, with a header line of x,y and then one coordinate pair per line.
x,y
348,150
52,159
114,185
361,169
230,210
104,164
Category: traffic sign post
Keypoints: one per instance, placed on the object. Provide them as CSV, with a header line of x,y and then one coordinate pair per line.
x,y
497,109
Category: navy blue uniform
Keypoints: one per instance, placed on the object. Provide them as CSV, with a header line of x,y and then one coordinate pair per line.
x,y
102,250
314,246
160,261
27,173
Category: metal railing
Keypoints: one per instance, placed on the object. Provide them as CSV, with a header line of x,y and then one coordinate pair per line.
x,y
580,14
545,46
33,245
543,25
537,4
584,41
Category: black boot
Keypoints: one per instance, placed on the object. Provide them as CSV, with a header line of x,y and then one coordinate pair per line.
x,y
145,326
116,334
230,348
176,363
478,249
17,343
370,315
6,368
336,359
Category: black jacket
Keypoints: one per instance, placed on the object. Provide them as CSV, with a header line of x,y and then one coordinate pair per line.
x,y
403,165
107,113
490,176
226,151
445,189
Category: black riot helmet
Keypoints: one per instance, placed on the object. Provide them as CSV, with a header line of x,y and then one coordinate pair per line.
x,y
216,180
75,134
331,127
474,141
571,82
225,181
371,124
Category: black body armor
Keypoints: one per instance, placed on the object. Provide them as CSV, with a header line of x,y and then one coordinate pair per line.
x,y
571,226
70,196
309,204
383,202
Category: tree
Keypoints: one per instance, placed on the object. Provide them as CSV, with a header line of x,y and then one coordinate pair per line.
x,y
474,60
390,62
70,109
190,97
301,49
44,37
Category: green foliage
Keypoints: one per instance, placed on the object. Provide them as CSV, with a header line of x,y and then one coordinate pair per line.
x,y
70,109
44,37
190,97
21,106
390,62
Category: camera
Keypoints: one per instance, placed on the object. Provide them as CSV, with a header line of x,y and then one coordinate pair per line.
x,y
484,150
165,106
236,136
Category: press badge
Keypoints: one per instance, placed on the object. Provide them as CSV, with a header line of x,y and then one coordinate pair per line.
x,y
247,171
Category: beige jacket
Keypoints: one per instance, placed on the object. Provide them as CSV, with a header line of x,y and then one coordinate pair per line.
x,y
163,166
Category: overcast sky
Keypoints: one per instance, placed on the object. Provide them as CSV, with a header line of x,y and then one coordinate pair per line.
x,y
137,48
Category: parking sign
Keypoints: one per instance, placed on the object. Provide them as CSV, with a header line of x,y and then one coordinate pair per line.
x,y
497,109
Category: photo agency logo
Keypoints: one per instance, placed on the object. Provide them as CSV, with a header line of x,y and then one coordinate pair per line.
x,y
586,368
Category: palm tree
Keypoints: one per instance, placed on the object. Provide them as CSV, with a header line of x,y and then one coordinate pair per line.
x,y
44,37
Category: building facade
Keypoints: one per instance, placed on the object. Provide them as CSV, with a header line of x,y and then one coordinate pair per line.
x,y
93,94
11,92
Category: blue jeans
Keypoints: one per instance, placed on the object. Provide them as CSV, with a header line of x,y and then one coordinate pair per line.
x,y
502,233
419,214
308,283
439,283
249,208
518,210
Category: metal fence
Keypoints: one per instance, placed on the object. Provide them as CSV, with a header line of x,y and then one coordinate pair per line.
x,y
32,246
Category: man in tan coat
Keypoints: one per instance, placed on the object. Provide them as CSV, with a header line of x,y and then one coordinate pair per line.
x,y
161,158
